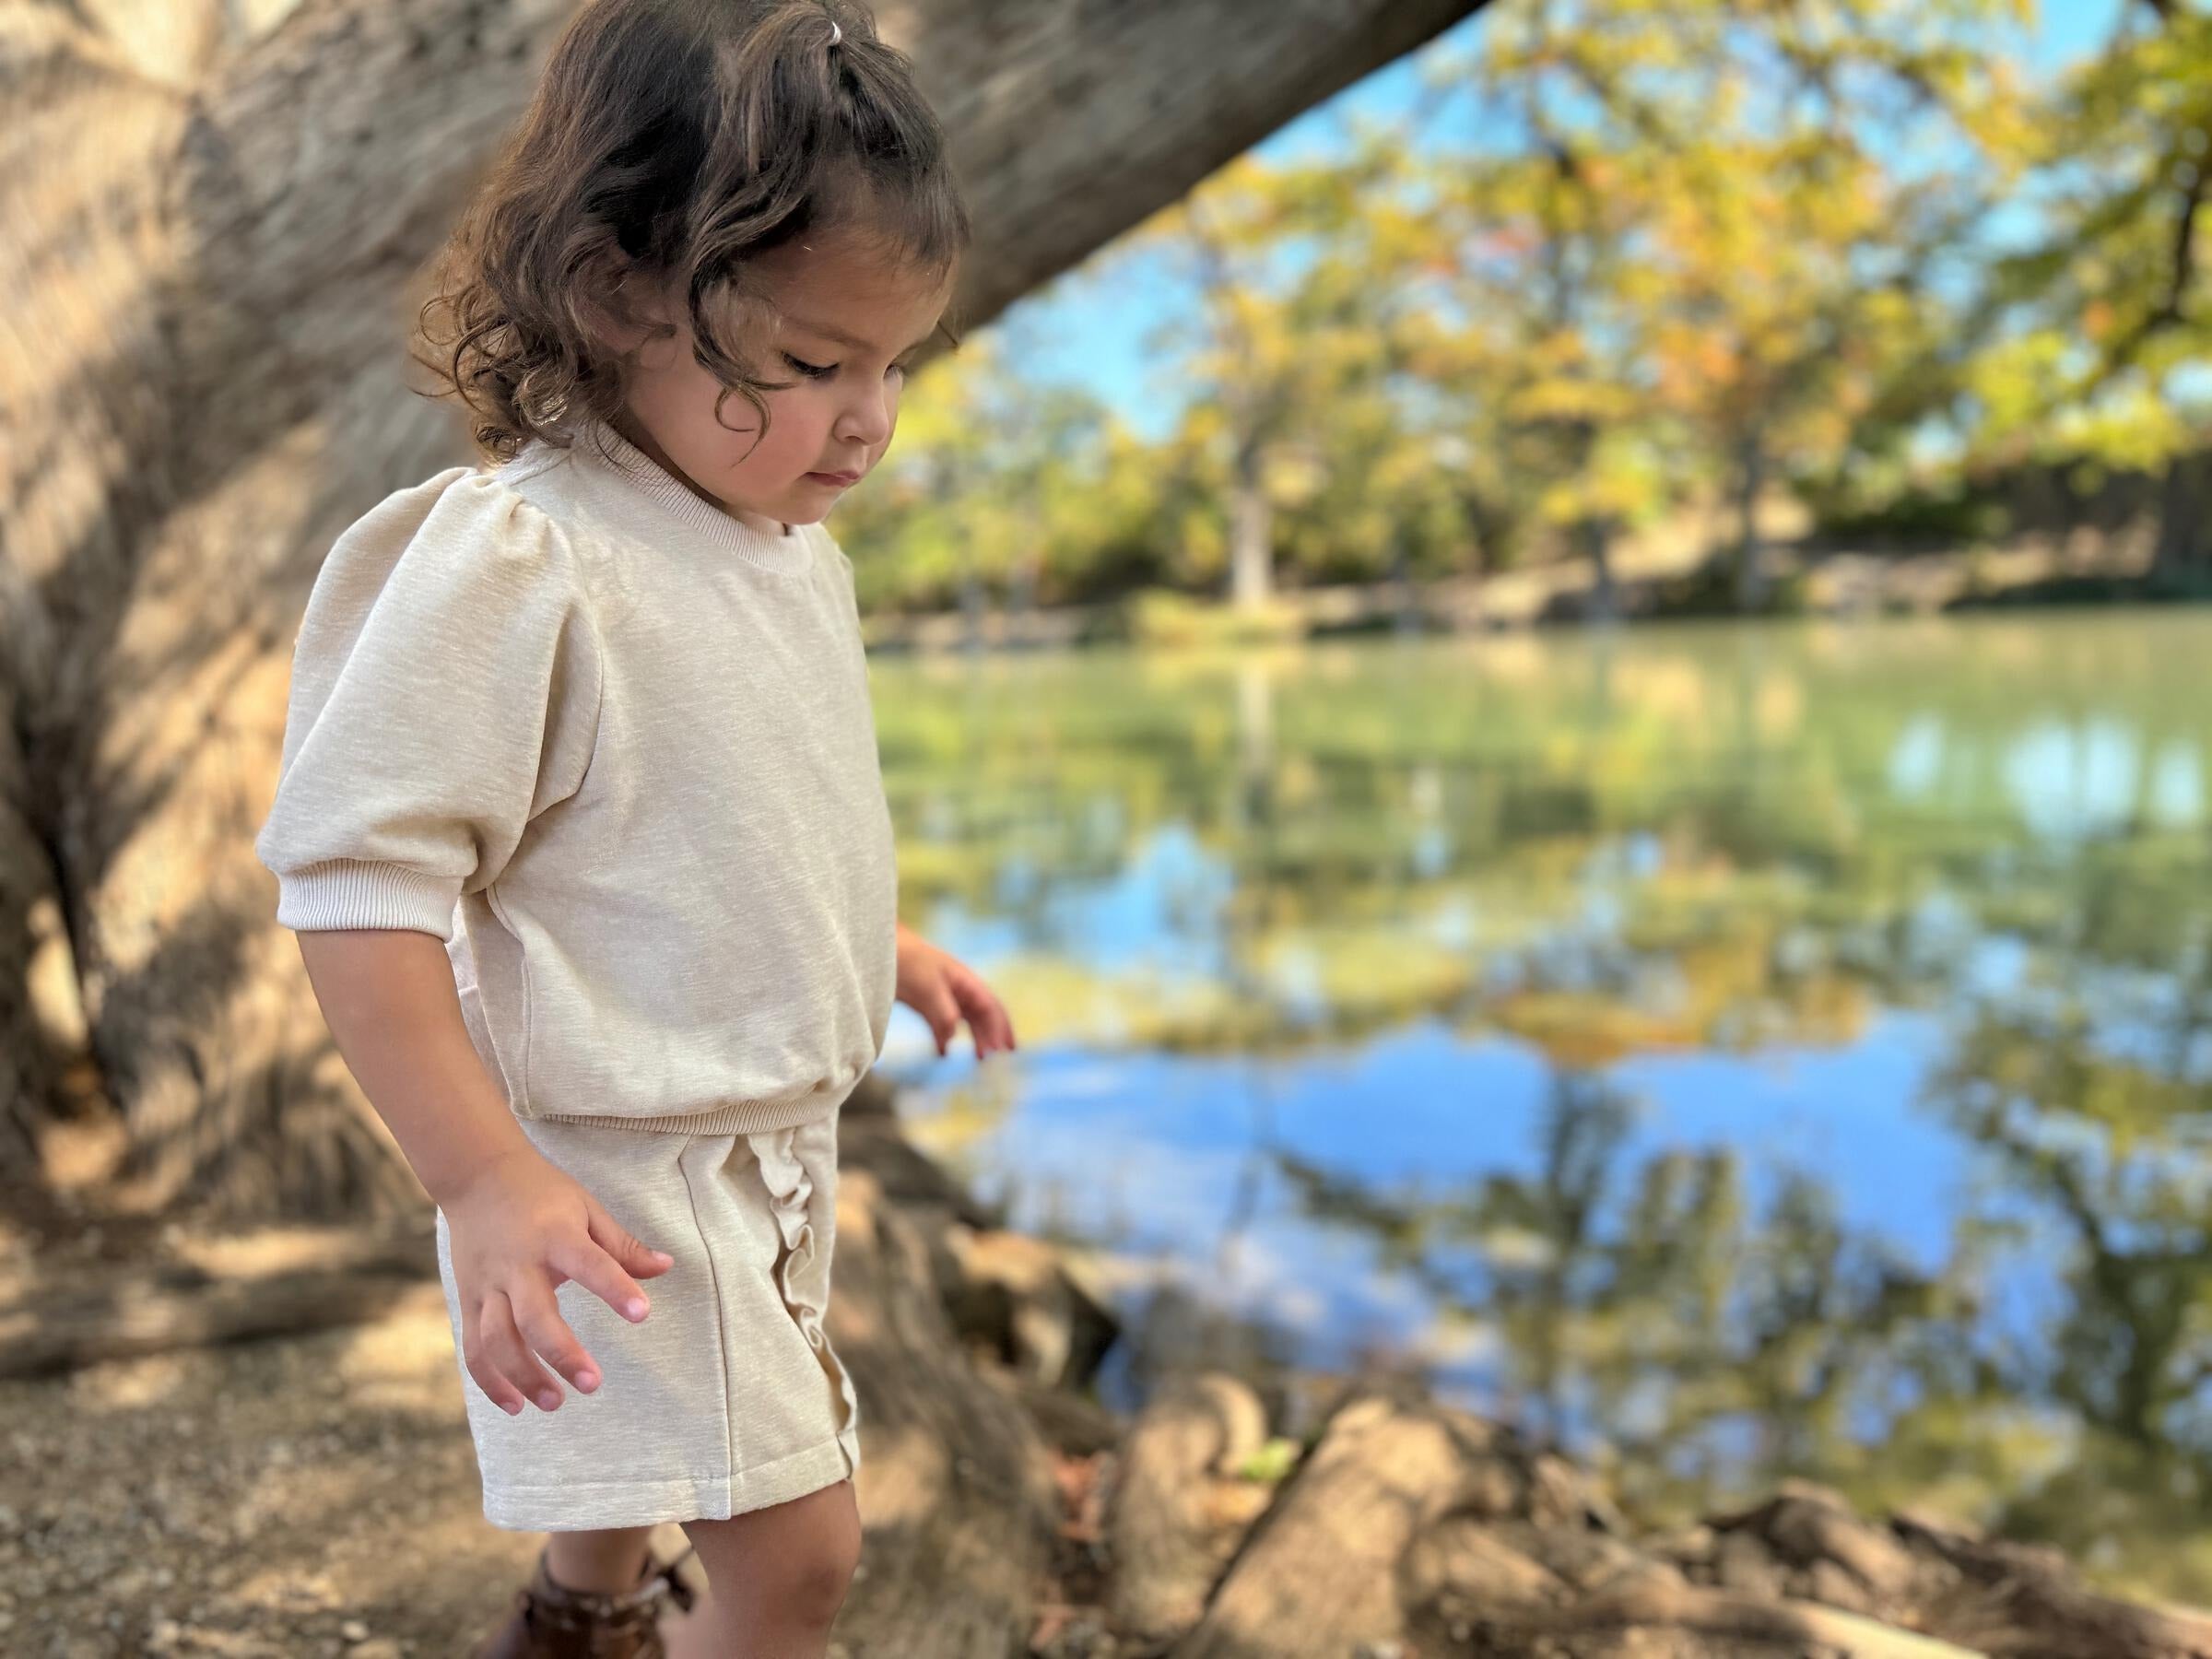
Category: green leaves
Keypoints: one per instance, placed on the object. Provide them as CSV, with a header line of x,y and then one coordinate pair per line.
x,y
1621,261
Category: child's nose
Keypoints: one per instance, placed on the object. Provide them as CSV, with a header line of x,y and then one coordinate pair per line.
x,y
867,419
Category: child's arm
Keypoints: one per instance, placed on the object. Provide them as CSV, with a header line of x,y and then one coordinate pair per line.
x,y
512,1216
445,690
388,997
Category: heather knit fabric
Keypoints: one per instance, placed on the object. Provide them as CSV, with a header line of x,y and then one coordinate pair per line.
x,y
615,748
728,1396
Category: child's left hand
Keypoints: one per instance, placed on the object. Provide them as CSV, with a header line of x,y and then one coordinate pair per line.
x,y
943,990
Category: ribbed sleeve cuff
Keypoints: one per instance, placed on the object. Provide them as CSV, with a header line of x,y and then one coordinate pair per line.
x,y
357,893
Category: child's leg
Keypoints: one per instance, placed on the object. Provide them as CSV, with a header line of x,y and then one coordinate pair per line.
x,y
611,1561
775,1578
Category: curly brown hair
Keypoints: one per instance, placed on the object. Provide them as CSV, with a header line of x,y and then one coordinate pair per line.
x,y
673,141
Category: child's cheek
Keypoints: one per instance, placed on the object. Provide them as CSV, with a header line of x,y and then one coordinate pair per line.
x,y
795,423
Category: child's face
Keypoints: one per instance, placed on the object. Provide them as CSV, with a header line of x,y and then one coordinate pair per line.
x,y
847,328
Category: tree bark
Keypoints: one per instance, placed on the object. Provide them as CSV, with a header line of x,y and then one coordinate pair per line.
x,y
202,328
1597,543
2184,543
1178,1512
1751,570
1251,537
349,1277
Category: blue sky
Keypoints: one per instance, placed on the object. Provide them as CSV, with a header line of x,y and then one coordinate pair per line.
x,y
1092,334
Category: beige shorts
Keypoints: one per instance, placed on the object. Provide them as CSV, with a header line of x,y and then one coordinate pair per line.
x,y
727,1397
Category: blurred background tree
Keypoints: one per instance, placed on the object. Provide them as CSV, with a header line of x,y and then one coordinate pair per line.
x,y
2101,363
1617,267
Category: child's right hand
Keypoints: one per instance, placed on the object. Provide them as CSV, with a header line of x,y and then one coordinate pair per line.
x,y
522,1226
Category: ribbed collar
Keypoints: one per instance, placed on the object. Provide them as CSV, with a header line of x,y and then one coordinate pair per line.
x,y
789,554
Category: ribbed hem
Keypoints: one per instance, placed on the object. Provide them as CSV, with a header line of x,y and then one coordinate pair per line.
x,y
790,554
736,1117
363,893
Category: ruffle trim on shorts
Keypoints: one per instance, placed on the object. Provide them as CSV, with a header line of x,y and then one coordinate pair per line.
x,y
789,1190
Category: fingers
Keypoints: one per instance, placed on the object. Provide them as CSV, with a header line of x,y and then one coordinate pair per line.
x,y
537,1318
630,1255
998,1029
503,1335
510,1315
987,1018
604,1261
942,1012
495,1356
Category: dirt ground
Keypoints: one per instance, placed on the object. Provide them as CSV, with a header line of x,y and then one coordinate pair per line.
x,y
294,1499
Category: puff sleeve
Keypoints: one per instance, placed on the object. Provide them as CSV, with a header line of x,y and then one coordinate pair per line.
x,y
445,692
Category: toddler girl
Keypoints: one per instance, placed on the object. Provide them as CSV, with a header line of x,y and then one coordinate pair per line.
x,y
579,822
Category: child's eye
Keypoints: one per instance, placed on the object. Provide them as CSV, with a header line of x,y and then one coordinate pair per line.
x,y
811,371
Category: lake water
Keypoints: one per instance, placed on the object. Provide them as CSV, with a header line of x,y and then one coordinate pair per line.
x,y
1735,1050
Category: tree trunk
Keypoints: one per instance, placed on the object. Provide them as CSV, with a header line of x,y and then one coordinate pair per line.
x,y
1251,537
1407,615
1750,573
974,603
203,305
2185,545
1597,543
1177,1511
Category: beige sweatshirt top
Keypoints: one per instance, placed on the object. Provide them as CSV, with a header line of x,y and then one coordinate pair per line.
x,y
615,749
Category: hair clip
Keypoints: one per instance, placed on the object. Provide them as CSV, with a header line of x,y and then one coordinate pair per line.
x,y
836,34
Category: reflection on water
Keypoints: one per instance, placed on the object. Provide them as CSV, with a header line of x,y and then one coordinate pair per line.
x,y
1738,1051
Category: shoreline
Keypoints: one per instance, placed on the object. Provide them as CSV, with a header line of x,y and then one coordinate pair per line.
x,y
1661,581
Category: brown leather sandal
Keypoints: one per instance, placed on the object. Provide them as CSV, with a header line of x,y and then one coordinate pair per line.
x,y
551,1621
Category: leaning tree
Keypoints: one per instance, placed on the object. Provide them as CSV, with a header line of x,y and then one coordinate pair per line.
x,y
214,216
